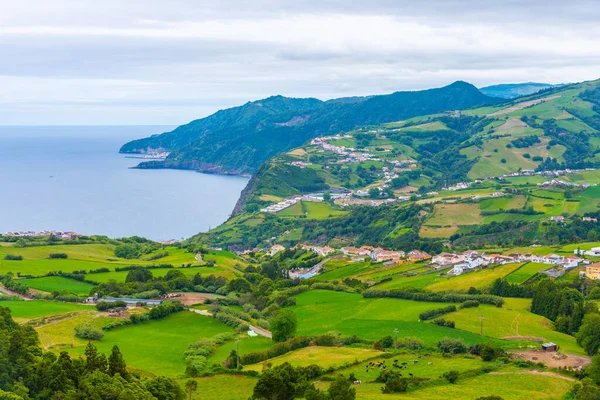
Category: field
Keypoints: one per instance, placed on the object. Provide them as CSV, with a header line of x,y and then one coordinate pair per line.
x,y
448,217
59,283
61,333
220,387
525,272
120,276
512,320
508,386
323,356
321,311
26,310
158,346
479,278
310,210
80,257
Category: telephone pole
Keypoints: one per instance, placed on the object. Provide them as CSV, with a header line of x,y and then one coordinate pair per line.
x,y
481,318
237,342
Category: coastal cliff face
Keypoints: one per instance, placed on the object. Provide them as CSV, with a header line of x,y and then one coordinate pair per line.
x,y
191,165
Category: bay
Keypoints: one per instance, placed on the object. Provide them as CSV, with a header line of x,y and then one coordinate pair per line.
x,y
72,178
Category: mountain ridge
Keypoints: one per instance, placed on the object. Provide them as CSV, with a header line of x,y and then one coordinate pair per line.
x,y
238,140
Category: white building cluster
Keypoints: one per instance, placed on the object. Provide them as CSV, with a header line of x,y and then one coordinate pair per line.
x,y
62,235
471,259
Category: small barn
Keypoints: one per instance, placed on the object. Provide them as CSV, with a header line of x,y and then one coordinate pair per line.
x,y
549,346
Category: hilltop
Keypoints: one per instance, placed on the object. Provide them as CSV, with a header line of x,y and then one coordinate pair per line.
x,y
238,140
514,90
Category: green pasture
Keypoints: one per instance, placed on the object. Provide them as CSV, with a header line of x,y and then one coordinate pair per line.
x,y
480,278
509,386
58,283
320,311
422,369
504,203
512,320
220,387
526,271
324,357
36,261
158,346
247,345
26,310
120,276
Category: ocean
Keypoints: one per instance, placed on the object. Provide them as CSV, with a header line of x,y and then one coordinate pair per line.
x,y
72,178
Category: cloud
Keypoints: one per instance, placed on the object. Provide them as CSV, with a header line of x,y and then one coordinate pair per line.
x,y
170,62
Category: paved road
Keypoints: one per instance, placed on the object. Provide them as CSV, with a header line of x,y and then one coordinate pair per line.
x,y
256,329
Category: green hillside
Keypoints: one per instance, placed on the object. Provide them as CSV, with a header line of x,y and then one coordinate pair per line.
x,y
496,153
240,139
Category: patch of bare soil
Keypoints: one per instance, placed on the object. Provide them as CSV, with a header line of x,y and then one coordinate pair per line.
x,y
552,359
189,299
534,338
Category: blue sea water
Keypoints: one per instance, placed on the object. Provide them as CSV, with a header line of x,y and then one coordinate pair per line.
x,y
72,178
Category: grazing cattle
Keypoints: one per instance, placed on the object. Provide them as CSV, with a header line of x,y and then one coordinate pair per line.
x,y
358,382
409,374
429,363
404,363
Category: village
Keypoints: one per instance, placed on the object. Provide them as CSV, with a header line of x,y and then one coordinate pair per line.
x,y
62,235
456,263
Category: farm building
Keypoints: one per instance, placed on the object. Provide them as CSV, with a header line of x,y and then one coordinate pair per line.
x,y
130,301
549,346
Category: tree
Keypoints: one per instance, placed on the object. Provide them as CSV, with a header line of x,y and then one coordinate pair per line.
x,y
593,370
592,235
282,382
588,336
395,384
116,364
452,346
93,360
594,294
374,193
191,386
341,389
284,325
9,396
165,388
327,196
451,376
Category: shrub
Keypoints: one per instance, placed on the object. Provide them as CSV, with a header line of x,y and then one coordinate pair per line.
x,y
422,295
469,304
412,343
395,385
13,257
443,322
58,255
452,346
88,332
103,305
451,376
430,314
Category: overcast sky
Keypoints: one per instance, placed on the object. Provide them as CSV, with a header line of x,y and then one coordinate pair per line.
x,y
171,61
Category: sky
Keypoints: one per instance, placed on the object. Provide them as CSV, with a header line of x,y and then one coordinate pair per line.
x,y
90,62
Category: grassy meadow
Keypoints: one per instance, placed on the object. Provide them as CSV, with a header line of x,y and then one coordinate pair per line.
x,y
158,346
